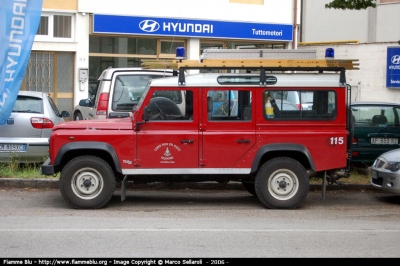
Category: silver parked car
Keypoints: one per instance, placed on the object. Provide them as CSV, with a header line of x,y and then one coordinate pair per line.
x,y
385,172
27,131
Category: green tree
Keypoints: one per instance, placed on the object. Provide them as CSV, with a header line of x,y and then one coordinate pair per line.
x,y
351,4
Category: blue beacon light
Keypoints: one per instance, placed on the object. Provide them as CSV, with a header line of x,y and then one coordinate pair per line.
x,y
180,53
329,53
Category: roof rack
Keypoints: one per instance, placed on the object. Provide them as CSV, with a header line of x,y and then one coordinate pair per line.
x,y
262,65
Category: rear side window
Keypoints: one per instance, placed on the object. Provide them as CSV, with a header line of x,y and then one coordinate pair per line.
x,y
299,105
26,104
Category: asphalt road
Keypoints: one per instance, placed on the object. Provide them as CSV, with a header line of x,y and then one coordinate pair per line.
x,y
194,223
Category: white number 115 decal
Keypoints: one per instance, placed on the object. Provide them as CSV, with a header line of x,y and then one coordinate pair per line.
x,y
336,141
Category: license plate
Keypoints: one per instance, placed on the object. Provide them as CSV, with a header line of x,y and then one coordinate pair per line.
x,y
383,141
13,147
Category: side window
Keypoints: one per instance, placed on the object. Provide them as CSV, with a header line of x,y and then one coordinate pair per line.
x,y
299,105
54,107
171,105
229,105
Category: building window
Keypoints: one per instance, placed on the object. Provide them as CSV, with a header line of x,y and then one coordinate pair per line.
x,y
54,27
62,26
168,48
43,26
105,51
122,45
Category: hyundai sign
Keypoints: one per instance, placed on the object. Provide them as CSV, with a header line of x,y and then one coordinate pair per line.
x,y
393,67
191,28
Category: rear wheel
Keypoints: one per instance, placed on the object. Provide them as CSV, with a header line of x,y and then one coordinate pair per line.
x,y
87,182
282,183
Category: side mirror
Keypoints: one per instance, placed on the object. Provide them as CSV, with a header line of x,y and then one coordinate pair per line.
x,y
65,114
84,103
145,118
145,114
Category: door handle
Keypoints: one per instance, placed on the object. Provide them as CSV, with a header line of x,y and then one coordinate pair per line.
x,y
243,141
187,141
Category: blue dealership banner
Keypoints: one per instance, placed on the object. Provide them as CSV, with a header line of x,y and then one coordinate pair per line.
x,y
191,28
19,20
393,67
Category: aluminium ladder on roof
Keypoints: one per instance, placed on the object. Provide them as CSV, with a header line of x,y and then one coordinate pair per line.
x,y
320,65
276,64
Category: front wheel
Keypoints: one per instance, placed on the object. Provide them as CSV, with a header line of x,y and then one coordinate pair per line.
x,y
282,183
87,182
78,116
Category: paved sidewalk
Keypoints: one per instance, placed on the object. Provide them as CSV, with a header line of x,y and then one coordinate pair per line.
x,y
53,183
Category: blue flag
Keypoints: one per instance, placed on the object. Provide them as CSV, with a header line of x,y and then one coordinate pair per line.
x,y
19,20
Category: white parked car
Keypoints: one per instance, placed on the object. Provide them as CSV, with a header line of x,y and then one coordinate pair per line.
x,y
116,92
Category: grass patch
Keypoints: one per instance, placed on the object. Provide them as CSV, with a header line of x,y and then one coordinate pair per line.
x,y
24,170
14,169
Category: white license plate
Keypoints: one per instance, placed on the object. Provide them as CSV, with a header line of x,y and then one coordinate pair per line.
x,y
12,147
384,141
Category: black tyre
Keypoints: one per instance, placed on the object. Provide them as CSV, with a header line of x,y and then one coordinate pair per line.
x,y
87,182
249,186
78,116
282,183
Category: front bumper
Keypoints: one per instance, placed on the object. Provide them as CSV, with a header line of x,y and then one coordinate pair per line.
x,y
385,180
47,168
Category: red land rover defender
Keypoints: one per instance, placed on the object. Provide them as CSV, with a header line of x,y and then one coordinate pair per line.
x,y
234,128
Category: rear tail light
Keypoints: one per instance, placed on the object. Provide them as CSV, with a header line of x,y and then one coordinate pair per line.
x,y
40,123
354,153
299,106
102,104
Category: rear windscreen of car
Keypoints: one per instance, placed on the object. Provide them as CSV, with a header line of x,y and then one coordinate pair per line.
x,y
375,115
26,104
